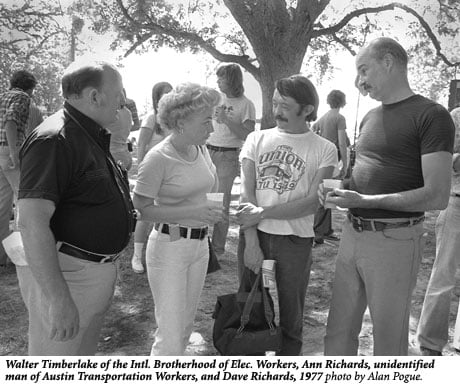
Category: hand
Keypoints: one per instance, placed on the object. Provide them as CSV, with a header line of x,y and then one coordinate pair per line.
x,y
343,173
345,198
64,320
14,160
220,114
209,214
249,215
253,257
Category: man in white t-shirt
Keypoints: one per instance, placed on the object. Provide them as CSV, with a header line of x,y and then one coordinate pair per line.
x,y
234,118
281,170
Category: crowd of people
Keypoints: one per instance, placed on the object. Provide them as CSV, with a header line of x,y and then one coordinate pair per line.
x,y
76,213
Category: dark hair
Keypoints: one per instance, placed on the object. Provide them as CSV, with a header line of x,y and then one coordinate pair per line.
x,y
23,79
336,99
158,90
79,76
233,75
383,46
302,91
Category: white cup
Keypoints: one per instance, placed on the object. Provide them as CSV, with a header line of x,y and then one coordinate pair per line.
x,y
328,186
268,273
15,249
215,199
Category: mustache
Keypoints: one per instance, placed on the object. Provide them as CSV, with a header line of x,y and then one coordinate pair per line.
x,y
281,118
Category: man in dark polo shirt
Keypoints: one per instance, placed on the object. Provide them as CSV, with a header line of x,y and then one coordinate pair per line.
x,y
402,169
75,214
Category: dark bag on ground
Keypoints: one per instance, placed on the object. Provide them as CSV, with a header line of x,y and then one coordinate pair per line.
x,y
213,263
244,321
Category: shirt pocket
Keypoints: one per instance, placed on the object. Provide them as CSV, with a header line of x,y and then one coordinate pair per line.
x,y
97,186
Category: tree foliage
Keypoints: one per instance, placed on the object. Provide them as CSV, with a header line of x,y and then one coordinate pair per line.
x,y
270,38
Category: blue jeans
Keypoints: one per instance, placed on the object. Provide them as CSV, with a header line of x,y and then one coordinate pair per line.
x,y
378,270
293,263
227,168
433,328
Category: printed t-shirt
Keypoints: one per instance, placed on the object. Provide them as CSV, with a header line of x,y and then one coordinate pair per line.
x,y
286,165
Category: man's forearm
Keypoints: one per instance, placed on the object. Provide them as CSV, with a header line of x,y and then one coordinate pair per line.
x,y
417,200
11,130
41,253
293,209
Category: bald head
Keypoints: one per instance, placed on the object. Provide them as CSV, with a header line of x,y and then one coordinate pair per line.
x,y
381,47
95,88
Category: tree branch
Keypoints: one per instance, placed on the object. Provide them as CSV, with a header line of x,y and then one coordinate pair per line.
x,y
391,6
191,37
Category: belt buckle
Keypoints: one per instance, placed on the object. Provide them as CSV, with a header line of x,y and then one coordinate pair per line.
x,y
111,259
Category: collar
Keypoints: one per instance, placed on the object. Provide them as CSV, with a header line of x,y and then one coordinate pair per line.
x,y
98,133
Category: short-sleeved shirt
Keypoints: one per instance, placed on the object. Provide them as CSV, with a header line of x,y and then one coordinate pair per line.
x,y
238,110
149,122
67,162
14,106
329,124
172,181
285,166
393,138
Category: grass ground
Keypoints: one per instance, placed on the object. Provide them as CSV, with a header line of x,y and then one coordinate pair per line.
x,y
130,322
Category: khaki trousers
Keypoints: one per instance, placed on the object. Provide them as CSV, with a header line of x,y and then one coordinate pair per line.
x,y
376,270
91,286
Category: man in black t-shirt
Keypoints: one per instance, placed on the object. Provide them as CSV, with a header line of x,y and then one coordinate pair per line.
x,y
75,214
402,169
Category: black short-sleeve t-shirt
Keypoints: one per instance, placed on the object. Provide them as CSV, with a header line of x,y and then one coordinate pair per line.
x,y
392,140
67,162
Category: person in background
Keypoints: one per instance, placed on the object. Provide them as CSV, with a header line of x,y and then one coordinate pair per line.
x,y
281,170
171,189
14,114
75,214
150,134
433,327
402,169
333,127
131,106
119,133
233,120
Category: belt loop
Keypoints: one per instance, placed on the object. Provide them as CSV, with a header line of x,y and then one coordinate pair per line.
x,y
373,225
188,232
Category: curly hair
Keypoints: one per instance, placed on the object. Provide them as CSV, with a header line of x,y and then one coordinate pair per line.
x,y
184,100
336,99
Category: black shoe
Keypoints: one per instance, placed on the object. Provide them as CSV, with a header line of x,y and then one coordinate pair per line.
x,y
428,352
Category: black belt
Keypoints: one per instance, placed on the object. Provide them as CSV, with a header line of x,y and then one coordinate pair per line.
x,y
195,233
84,255
362,224
219,148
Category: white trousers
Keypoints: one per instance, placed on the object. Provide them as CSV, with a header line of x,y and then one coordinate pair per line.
x,y
176,272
